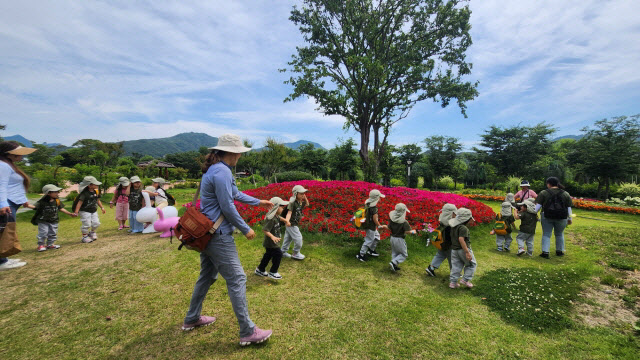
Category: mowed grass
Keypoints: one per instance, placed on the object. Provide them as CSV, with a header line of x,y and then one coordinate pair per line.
x,y
124,297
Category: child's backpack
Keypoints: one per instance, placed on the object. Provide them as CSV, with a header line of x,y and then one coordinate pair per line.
x,y
554,208
359,217
440,238
501,227
170,199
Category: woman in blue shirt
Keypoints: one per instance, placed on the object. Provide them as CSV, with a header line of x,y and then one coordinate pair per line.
x,y
218,192
13,189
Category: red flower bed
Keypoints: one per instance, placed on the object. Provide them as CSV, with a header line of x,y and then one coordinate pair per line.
x,y
586,204
332,204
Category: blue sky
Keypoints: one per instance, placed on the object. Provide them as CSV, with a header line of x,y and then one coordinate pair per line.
x,y
122,70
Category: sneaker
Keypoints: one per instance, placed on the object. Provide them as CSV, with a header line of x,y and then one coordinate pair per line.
x,y
394,267
466,283
42,248
361,258
275,276
372,253
286,254
86,239
53,246
257,337
93,235
203,321
499,249
454,285
431,271
298,256
121,227
506,250
559,253
12,265
260,273
544,255
13,261
520,252
126,226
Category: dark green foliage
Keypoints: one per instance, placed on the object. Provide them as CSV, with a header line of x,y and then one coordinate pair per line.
x,y
158,148
189,160
292,176
537,300
72,196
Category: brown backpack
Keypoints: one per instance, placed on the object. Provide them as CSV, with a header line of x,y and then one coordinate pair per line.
x,y
194,229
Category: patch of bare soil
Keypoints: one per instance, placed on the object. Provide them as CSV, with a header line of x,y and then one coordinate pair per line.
x,y
603,305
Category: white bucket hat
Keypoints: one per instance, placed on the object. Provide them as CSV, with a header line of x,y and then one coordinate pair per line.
x,y
462,216
135,178
124,181
506,209
230,143
159,180
531,206
446,212
374,197
399,215
277,202
88,180
50,188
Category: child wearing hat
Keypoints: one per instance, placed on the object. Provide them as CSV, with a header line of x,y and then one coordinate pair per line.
x,y
462,258
297,203
86,206
121,199
446,214
158,192
371,226
399,227
503,241
271,229
46,217
528,221
135,204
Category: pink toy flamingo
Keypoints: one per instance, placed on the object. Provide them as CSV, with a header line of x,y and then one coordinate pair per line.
x,y
165,225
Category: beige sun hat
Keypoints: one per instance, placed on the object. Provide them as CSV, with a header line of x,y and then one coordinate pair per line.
x,y
445,213
230,143
399,215
88,180
124,181
135,179
277,202
374,196
531,206
298,189
506,209
159,180
21,150
462,216
50,188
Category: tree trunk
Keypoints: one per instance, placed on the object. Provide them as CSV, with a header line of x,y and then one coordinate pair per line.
x,y
599,192
606,191
364,148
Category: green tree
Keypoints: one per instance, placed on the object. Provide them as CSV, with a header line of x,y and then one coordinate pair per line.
x,y
274,157
250,161
610,151
312,160
43,154
189,160
381,58
441,154
387,164
412,153
512,150
343,159
459,171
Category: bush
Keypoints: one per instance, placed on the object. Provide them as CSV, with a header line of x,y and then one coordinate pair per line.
x,y
292,176
445,182
397,182
186,185
629,189
513,184
255,177
72,195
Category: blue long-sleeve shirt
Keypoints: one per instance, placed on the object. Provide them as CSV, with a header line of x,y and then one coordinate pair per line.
x,y
11,186
217,193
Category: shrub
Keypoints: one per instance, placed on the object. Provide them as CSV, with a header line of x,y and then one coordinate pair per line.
x,y
255,177
629,190
292,176
445,182
397,182
633,201
72,195
513,184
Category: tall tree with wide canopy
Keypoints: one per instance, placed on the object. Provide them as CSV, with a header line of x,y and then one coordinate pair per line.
x,y
381,58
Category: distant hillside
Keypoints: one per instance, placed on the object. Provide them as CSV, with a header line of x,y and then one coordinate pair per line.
x,y
19,138
574,137
175,144
296,145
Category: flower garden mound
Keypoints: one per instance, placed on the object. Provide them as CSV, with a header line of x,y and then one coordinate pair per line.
x,y
332,204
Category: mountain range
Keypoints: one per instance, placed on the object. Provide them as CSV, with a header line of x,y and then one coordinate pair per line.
x,y
160,147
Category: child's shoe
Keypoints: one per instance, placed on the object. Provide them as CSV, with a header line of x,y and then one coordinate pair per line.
x,y
260,273
53,246
394,267
86,239
454,285
93,235
286,254
275,276
126,226
298,256
431,271
466,283
499,249
520,252
361,258
544,255
121,227
372,253
42,248
506,249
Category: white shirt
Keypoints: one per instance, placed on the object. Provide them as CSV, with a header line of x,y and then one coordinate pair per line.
x,y
11,186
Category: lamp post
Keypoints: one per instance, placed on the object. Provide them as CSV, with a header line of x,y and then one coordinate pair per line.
x,y
408,173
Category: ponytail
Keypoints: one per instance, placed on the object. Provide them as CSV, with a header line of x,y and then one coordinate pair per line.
x,y
214,157
554,182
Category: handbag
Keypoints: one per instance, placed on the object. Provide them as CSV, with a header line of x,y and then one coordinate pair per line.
x,y
9,243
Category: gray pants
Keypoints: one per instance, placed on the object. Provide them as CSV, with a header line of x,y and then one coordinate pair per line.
x,y
90,221
221,256
459,262
398,250
523,238
504,239
439,258
292,233
371,240
47,231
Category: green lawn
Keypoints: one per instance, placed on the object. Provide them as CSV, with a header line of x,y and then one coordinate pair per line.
x,y
124,297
